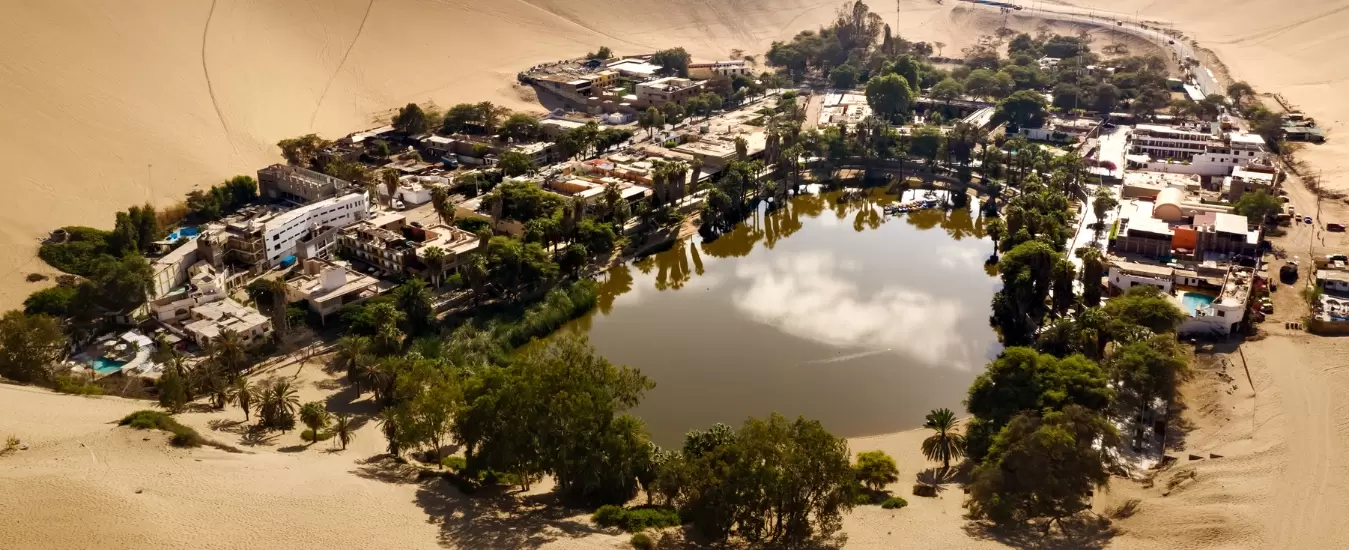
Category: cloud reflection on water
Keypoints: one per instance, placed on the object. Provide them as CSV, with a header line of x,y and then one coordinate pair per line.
x,y
810,295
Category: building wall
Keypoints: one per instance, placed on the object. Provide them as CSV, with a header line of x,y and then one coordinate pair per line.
x,y
171,270
417,195
709,71
1223,320
1124,281
282,182
280,238
1335,286
1155,248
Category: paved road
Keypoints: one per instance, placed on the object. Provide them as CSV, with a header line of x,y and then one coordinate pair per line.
x,y
1124,23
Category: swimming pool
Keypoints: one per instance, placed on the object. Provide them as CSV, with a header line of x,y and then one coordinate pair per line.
x,y
1191,301
182,233
107,366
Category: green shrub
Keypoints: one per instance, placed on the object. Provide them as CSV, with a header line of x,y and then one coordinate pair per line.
x,y
636,519
893,503
641,541
83,247
472,225
454,464
557,308
55,301
609,515
67,384
308,435
183,436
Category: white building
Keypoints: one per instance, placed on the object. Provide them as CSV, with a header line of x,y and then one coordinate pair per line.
x,y
718,68
210,320
176,306
635,68
1219,314
1124,275
285,230
414,190
171,269
327,287
1194,151
1333,280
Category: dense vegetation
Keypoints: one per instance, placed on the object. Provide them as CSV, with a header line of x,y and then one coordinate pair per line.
x,y
183,436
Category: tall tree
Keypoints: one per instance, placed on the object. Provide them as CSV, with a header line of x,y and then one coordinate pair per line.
x,y
1093,269
29,346
1043,467
889,96
315,416
945,444
875,470
343,429
558,410
411,120
440,201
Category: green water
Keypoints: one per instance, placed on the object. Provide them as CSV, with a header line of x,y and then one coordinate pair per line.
x,y
821,308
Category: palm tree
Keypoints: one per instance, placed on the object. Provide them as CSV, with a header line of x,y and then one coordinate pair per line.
x,y
388,423
241,395
389,177
343,429
315,417
414,300
440,201
214,380
352,352
277,402
227,352
276,288
945,444
475,274
434,258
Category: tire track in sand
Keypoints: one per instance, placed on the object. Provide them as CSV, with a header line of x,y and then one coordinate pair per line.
x,y
359,29
576,21
210,88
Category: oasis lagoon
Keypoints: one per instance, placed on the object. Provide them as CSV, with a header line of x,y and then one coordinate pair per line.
x,y
825,307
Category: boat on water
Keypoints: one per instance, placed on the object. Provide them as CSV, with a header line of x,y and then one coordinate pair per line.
x,y
912,206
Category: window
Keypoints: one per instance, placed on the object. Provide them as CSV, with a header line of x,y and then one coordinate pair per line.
x,y
1222,313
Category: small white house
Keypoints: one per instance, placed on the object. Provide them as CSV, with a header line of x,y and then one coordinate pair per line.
x,y
1125,275
1333,281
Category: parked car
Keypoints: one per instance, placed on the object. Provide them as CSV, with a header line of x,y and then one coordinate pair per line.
x,y
1288,273
1336,227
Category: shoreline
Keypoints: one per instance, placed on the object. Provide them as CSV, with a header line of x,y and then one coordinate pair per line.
x,y
1261,477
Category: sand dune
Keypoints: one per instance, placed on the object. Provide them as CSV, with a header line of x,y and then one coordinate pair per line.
x,y
1289,47
110,104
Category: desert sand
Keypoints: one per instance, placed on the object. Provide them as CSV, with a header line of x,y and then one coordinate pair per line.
x,y
112,104
1279,481
106,105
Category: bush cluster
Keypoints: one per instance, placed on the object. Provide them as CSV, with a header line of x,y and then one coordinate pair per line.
x,y
636,519
893,503
66,384
183,436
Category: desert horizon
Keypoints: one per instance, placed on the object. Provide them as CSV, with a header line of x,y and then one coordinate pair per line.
x,y
114,105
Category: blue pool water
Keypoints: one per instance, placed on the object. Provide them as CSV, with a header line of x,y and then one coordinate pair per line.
x,y
1191,301
181,233
106,366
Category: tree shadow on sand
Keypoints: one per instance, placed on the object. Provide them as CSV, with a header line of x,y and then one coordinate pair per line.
x,y
1087,532
236,427
347,401
500,520
256,436
939,478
